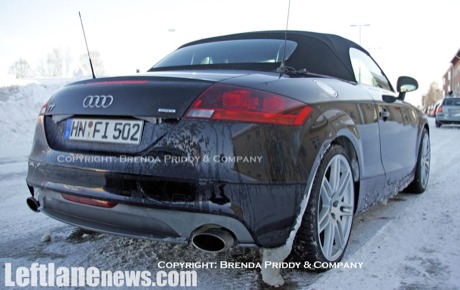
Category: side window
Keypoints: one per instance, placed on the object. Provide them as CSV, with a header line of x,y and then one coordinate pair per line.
x,y
366,70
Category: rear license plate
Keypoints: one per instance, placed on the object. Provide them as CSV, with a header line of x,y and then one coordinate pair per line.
x,y
109,131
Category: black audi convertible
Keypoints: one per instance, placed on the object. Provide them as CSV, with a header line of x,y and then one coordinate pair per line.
x,y
237,140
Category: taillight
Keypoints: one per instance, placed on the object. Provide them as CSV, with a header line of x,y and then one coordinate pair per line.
x,y
43,109
439,110
231,103
89,201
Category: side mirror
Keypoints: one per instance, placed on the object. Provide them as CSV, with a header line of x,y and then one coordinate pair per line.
x,y
405,85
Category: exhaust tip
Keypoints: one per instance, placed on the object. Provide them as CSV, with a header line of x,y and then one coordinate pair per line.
x,y
213,240
33,204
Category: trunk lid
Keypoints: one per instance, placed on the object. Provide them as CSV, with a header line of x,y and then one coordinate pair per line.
x,y
122,115
161,97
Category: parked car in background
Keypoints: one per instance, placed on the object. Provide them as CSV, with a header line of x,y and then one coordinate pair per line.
x,y
448,112
430,111
240,140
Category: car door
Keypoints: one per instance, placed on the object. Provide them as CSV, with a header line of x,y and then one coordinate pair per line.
x,y
397,121
398,135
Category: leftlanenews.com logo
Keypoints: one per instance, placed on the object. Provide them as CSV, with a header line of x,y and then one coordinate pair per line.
x,y
50,275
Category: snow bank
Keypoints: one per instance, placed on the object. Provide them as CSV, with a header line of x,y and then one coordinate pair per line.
x,y
20,104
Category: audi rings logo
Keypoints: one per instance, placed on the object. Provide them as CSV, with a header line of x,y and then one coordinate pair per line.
x,y
97,101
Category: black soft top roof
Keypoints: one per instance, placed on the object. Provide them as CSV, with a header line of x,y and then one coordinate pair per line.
x,y
320,53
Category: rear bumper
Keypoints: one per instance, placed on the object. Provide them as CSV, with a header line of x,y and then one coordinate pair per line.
x,y
140,222
447,119
259,215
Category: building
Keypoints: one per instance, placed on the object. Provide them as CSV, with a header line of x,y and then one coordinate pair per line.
x,y
451,79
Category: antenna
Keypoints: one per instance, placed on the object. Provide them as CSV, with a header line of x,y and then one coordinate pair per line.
x,y
86,42
282,67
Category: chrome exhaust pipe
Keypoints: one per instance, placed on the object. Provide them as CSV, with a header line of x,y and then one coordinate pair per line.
x,y
212,240
33,204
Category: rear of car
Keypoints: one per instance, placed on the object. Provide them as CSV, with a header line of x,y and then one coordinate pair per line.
x,y
135,156
448,112
203,145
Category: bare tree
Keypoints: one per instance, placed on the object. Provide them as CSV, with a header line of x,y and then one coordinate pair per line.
x,y
21,69
98,65
434,94
53,66
67,61
41,68
55,62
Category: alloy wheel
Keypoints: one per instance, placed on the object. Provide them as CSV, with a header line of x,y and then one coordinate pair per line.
x,y
335,207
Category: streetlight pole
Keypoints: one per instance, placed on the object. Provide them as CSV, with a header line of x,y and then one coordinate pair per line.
x,y
359,26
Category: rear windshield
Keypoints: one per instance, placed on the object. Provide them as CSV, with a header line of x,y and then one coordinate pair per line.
x,y
452,102
246,51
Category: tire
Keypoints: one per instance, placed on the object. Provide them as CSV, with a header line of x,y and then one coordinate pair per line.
x,y
438,125
422,170
327,221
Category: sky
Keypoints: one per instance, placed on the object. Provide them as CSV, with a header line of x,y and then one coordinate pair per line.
x,y
415,38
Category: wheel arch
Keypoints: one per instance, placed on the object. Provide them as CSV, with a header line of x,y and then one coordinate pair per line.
x,y
342,130
422,127
349,147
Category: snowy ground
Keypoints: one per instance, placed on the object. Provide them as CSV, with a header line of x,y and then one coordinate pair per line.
x,y
409,243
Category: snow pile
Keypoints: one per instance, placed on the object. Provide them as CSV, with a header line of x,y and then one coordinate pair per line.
x,y
19,108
